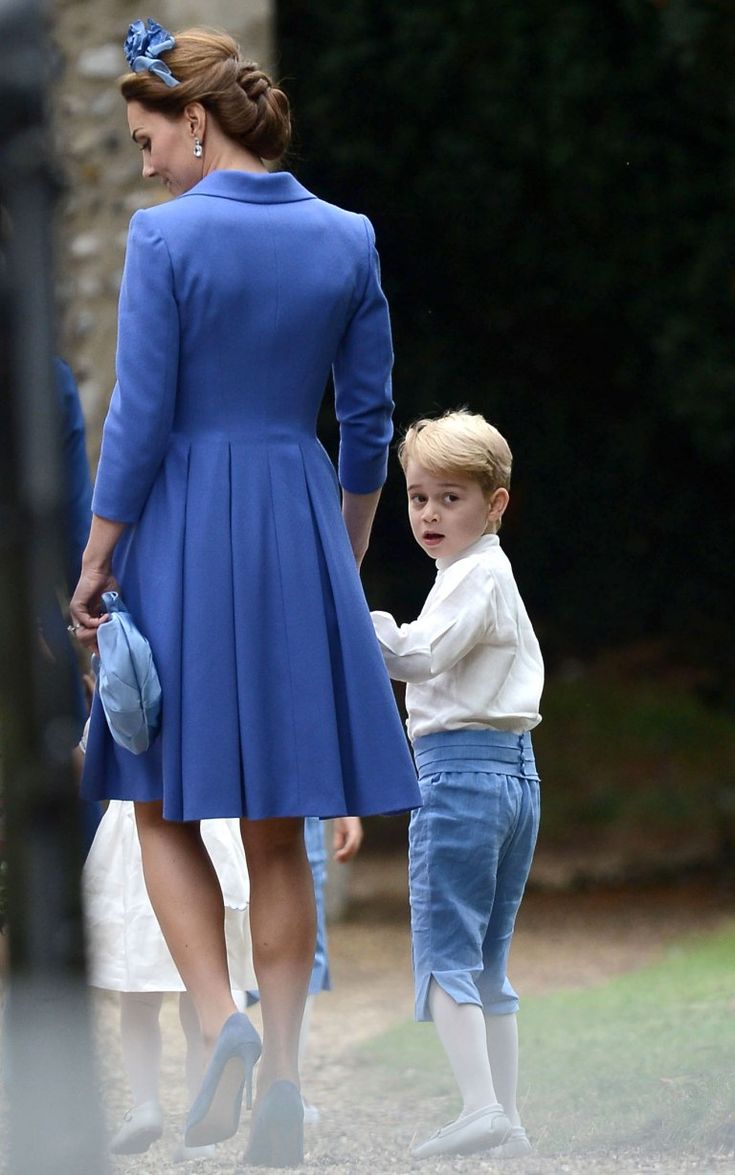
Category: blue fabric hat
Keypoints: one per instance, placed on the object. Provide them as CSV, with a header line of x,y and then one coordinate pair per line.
x,y
127,681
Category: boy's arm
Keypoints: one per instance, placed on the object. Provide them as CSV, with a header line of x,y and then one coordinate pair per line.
x,y
346,837
459,618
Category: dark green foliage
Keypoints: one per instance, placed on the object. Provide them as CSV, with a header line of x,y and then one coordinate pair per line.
x,y
552,189
639,766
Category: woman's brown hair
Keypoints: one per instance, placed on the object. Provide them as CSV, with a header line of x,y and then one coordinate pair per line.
x,y
210,68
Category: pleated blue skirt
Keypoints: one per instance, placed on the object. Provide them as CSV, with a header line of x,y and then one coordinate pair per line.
x,y
276,701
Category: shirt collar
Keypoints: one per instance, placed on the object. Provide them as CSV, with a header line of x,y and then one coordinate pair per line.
x,y
484,543
250,187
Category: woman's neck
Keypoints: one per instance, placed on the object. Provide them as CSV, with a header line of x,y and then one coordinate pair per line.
x,y
227,156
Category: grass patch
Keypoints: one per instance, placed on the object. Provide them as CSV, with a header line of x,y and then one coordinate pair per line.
x,y
646,1060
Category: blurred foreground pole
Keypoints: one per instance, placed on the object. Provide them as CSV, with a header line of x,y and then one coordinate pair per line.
x,y
55,1124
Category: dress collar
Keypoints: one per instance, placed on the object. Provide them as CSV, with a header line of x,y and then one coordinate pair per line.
x,y
484,543
250,187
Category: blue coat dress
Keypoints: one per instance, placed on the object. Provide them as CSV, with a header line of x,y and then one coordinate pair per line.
x,y
238,299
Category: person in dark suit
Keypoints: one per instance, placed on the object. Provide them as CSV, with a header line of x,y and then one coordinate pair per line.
x,y
77,495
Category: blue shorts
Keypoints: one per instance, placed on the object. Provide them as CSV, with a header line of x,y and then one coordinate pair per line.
x,y
317,853
470,852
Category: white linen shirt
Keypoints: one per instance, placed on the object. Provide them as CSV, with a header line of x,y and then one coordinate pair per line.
x,y
471,659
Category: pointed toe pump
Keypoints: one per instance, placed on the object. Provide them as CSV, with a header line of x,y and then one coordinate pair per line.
x,y
215,1113
277,1133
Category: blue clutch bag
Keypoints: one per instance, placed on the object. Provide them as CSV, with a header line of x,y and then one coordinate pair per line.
x,y
127,681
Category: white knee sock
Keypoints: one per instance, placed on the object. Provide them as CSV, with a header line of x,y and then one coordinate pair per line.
x,y
461,1030
502,1048
140,1036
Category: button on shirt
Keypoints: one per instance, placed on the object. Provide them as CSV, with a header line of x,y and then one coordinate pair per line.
x,y
471,659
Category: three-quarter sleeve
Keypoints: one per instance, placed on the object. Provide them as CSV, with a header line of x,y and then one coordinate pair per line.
x,y
362,383
141,411
458,614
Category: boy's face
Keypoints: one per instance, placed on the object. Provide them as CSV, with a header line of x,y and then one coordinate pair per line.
x,y
447,512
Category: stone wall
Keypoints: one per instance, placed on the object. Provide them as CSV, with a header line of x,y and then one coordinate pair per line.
x,y
102,168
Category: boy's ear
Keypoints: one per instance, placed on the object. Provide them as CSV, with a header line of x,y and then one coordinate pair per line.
x,y
497,504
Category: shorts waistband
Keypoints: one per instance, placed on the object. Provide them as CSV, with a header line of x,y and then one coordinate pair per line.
x,y
496,751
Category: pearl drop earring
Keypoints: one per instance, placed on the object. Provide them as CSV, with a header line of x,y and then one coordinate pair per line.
x,y
198,149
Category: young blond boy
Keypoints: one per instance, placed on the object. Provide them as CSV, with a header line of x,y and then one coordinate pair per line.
x,y
475,675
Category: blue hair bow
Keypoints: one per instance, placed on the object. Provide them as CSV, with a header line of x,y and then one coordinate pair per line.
x,y
143,46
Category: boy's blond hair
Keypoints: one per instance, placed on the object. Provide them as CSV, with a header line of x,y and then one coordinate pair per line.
x,y
459,442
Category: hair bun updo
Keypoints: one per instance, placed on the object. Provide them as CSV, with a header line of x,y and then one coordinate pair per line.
x,y
253,81
210,68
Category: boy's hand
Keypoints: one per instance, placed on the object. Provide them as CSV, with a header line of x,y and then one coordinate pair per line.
x,y
347,837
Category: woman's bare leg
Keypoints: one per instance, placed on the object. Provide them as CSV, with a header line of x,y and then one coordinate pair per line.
x,y
283,929
186,896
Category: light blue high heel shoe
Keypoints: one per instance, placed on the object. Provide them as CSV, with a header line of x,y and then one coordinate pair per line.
x,y
277,1132
215,1112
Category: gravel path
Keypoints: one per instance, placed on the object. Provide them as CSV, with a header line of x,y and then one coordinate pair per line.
x,y
563,940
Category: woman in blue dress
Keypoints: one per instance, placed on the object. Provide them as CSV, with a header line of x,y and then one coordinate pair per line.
x,y
218,514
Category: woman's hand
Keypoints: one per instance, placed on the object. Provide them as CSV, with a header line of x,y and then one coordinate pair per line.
x,y
84,608
358,512
95,579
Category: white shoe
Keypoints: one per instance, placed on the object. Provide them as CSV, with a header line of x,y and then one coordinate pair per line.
x,y
183,1153
311,1113
479,1130
140,1127
515,1146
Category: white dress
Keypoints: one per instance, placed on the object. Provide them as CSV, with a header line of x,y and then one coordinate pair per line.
x,y
125,948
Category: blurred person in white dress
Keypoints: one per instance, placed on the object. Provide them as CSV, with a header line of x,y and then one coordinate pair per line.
x,y
126,953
